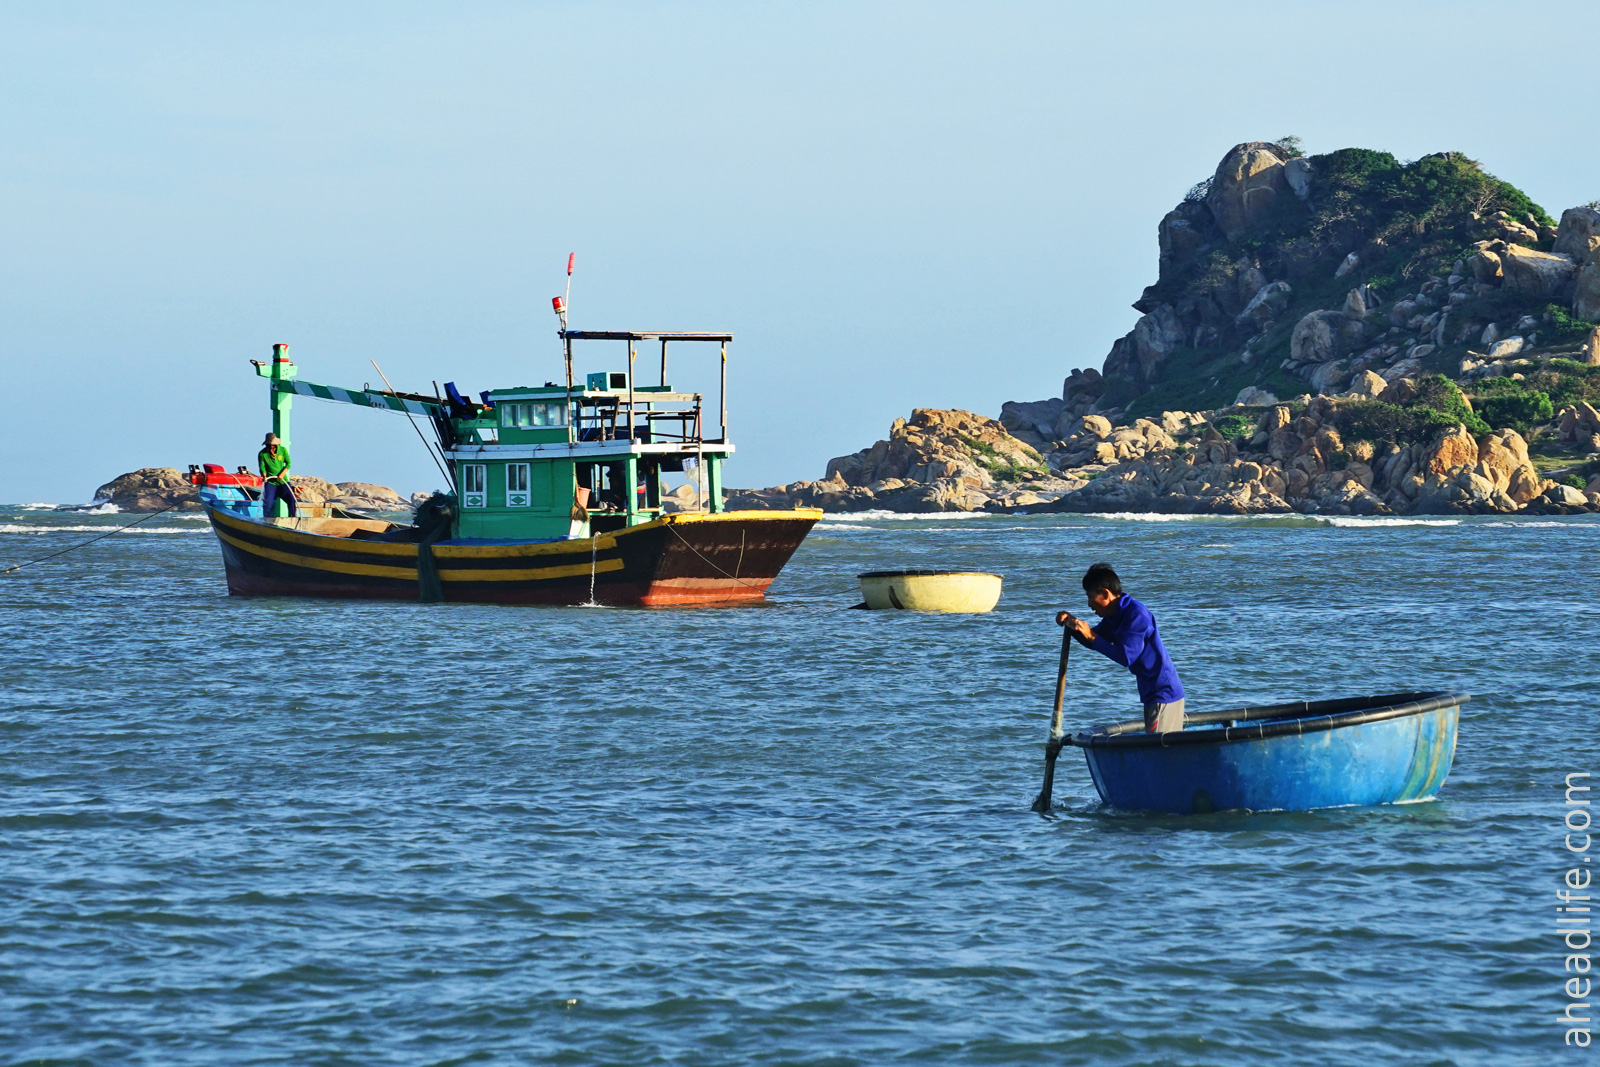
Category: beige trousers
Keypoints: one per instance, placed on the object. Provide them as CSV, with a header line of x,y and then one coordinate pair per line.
x,y
1163,718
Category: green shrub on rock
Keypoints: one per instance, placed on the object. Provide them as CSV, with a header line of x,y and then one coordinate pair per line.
x,y
1440,395
1384,423
1235,427
1564,327
1519,410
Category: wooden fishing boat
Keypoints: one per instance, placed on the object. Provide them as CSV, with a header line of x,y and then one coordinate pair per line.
x,y
555,498
1390,749
673,559
970,592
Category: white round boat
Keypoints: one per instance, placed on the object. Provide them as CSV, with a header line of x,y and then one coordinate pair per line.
x,y
956,591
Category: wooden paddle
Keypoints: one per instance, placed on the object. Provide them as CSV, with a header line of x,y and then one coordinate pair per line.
x,y
1041,803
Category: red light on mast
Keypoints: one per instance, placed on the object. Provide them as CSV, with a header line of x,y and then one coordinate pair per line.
x,y
559,304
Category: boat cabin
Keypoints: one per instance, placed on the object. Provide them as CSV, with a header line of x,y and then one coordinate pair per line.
x,y
558,460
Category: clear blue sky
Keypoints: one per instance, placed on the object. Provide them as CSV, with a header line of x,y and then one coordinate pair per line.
x,y
891,205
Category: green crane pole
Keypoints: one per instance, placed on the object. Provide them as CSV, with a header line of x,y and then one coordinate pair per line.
x,y
280,370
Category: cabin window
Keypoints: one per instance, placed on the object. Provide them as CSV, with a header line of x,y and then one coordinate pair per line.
x,y
526,415
474,485
516,485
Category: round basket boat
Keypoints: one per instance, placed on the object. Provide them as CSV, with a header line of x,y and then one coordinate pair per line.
x,y
1390,749
959,591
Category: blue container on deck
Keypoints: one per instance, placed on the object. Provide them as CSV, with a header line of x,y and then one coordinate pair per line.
x,y
1389,749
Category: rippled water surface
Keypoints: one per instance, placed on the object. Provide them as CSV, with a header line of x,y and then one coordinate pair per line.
x,y
274,831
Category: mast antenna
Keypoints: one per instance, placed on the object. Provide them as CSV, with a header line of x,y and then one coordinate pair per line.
x,y
560,303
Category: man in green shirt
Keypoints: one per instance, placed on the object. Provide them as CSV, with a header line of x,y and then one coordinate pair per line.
x,y
273,462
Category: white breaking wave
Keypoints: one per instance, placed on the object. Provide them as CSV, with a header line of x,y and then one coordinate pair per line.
x,y
38,507
1380,520
14,528
901,516
1156,516
1537,524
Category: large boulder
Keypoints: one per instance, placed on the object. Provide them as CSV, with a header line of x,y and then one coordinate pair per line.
x,y
365,496
1155,336
1315,339
1524,484
1578,236
1137,355
1247,184
1083,385
1267,303
1578,232
1507,346
1540,275
1368,384
1037,416
1252,397
149,489
309,489
1486,267
1182,233
1451,451
1499,456
937,445
1566,496
1297,173
1586,295
1098,425
1322,336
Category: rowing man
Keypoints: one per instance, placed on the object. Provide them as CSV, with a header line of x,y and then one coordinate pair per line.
x,y
1127,635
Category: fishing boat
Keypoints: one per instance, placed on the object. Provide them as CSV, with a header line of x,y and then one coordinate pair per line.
x,y
1391,749
555,498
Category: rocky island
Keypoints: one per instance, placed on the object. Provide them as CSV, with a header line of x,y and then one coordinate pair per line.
x,y
1431,330
154,488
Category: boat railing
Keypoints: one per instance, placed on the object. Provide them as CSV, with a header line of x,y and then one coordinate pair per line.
x,y
637,403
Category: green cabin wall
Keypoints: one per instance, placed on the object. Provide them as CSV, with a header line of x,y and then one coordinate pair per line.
x,y
550,488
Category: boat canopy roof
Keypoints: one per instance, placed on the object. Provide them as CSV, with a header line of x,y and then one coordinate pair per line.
x,y
644,335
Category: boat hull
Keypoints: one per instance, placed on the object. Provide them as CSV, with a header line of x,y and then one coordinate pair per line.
x,y
969,592
1395,756
675,559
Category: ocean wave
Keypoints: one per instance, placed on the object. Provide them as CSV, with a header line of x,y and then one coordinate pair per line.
x,y
1380,520
38,507
1161,516
902,516
1539,524
17,528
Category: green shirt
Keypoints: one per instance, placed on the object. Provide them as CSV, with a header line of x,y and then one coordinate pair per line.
x,y
273,467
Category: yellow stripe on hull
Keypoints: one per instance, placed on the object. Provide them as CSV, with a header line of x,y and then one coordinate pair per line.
x,y
571,570
367,570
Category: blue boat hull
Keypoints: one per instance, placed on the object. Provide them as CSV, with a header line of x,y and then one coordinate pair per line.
x,y
1389,761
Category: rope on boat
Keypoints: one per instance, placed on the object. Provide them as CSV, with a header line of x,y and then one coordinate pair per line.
x,y
713,566
91,540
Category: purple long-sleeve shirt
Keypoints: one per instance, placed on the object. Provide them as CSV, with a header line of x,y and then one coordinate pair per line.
x,y
1129,636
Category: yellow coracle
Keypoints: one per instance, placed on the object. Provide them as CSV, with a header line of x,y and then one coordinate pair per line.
x,y
956,591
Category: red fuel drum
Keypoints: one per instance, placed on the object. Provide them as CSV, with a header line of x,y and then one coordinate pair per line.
x,y
217,474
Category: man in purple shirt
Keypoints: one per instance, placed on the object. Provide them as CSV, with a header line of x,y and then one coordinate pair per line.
x,y
1127,635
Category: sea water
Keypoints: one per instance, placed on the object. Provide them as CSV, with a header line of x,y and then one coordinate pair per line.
x,y
290,831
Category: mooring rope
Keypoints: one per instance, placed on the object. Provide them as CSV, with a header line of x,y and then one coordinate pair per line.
x,y
92,540
713,566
